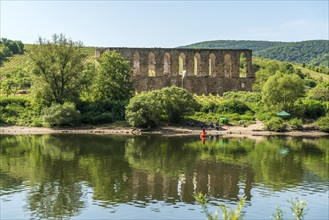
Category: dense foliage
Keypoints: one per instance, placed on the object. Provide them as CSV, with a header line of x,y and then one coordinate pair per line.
x,y
59,115
149,109
282,90
112,78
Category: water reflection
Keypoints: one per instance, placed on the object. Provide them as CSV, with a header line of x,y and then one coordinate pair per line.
x,y
60,170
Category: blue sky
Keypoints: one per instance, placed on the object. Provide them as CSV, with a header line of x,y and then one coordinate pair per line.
x,y
164,23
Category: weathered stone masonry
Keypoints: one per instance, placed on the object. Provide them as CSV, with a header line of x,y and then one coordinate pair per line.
x,y
206,71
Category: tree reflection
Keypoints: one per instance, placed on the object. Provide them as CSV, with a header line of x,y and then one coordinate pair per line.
x,y
60,168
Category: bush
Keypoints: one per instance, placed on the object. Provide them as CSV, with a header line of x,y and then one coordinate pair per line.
x,y
16,110
323,123
276,124
313,109
58,115
232,106
144,111
101,111
166,105
296,124
176,103
14,101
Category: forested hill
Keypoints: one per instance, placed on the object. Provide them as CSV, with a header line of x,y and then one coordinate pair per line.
x,y
313,52
235,44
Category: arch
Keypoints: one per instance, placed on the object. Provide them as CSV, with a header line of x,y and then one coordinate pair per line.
x,y
197,62
136,64
227,65
151,66
243,65
166,64
181,63
212,64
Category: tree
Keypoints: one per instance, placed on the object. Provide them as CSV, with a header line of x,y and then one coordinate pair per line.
x,y
282,90
166,105
320,92
59,64
176,103
112,78
144,110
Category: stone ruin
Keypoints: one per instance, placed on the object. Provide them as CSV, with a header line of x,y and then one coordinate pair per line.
x,y
200,71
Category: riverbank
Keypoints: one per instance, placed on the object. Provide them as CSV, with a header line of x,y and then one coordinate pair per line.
x,y
256,129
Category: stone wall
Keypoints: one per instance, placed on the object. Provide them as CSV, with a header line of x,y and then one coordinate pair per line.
x,y
200,71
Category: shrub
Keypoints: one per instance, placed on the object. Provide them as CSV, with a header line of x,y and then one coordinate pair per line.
x,y
232,106
15,110
58,115
21,101
276,124
296,123
313,109
323,123
168,104
176,103
101,111
143,111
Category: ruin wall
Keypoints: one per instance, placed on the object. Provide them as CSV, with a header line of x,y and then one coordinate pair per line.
x,y
200,71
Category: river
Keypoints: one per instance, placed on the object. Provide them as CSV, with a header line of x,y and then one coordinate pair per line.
x,y
74,176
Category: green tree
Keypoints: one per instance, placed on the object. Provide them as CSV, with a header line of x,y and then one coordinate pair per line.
x,y
176,103
282,90
320,92
112,78
166,105
144,110
59,64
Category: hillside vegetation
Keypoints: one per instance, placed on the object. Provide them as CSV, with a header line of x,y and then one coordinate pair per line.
x,y
235,44
312,52
315,52
57,84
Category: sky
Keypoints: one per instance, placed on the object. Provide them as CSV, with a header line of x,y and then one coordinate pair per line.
x,y
132,23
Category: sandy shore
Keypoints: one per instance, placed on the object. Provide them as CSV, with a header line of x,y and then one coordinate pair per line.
x,y
256,129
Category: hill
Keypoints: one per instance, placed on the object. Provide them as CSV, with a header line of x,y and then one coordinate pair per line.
x,y
312,52
235,44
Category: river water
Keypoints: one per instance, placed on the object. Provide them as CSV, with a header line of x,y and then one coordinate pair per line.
x,y
155,177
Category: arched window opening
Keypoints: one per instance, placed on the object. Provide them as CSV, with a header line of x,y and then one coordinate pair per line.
x,y
152,63
227,65
197,61
243,66
166,64
181,64
243,85
136,64
212,64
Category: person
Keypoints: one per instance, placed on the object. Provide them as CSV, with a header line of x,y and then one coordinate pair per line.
x,y
211,125
217,125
